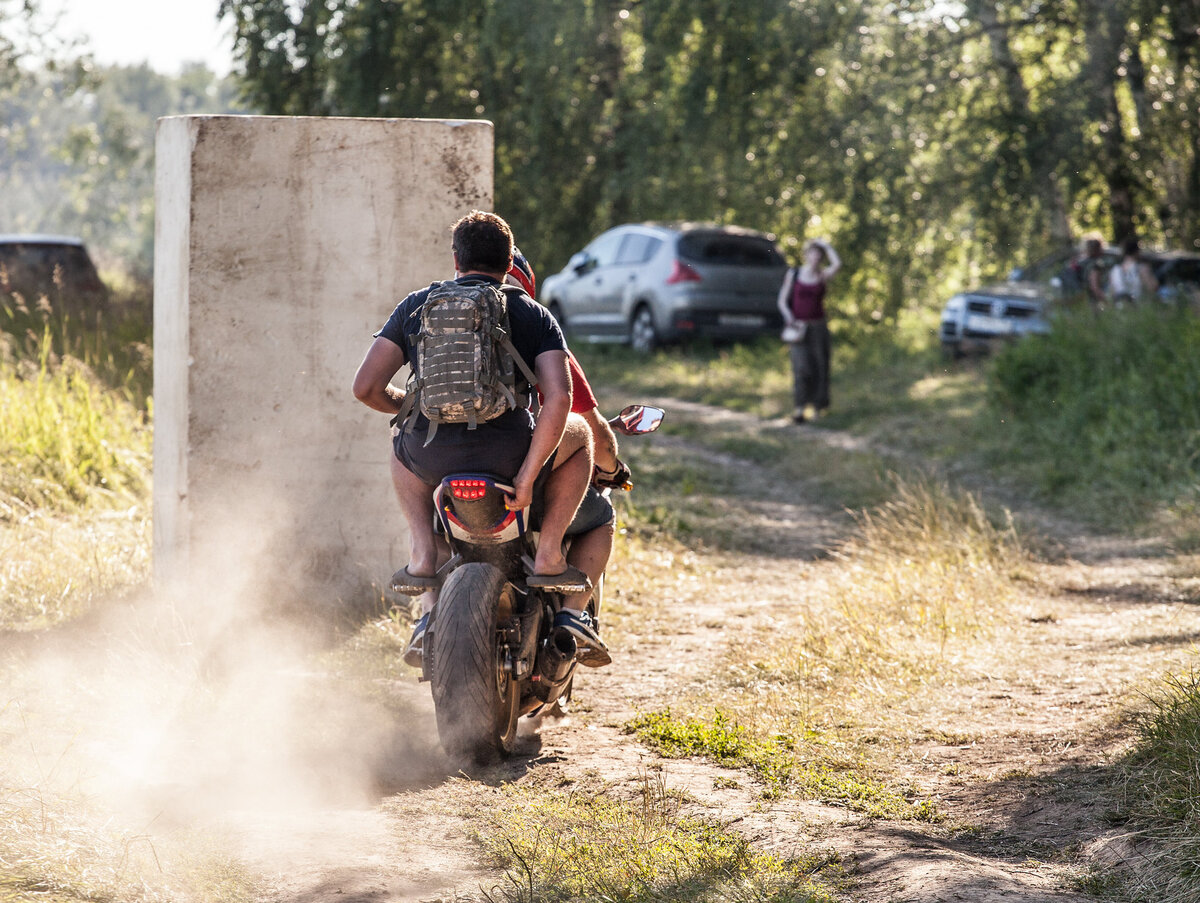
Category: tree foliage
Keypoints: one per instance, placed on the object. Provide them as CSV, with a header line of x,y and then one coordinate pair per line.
x,y
77,151
930,140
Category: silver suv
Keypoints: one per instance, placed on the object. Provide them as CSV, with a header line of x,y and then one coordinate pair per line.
x,y
648,284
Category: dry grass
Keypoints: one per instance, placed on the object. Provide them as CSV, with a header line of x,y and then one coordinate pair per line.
x,y
1162,786
827,652
55,848
55,566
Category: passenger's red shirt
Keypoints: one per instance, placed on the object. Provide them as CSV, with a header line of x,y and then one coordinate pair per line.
x,y
582,399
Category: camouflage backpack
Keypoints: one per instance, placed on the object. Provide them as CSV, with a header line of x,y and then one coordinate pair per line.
x,y
465,358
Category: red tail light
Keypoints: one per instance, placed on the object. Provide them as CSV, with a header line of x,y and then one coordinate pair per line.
x,y
681,272
468,490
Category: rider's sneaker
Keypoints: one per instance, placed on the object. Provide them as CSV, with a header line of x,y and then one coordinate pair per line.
x,y
592,651
414,654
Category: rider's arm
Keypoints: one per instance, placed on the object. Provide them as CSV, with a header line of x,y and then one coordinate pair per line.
x,y
555,384
372,381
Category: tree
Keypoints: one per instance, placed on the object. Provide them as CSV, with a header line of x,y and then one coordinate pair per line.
x,y
933,142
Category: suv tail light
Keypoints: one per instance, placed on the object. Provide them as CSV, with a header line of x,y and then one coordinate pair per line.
x,y
681,272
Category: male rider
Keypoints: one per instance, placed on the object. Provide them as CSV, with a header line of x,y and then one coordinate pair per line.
x,y
550,463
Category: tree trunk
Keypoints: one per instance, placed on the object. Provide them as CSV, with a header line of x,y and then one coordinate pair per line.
x,y
1105,35
1037,152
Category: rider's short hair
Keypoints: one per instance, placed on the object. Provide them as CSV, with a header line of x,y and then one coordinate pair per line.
x,y
483,242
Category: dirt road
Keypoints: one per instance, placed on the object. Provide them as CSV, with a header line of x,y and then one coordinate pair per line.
x,y
1019,759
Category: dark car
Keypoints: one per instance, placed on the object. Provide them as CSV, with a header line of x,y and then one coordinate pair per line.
x,y
648,284
56,268
1178,275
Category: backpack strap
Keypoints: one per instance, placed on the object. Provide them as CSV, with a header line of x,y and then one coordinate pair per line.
x,y
506,343
407,405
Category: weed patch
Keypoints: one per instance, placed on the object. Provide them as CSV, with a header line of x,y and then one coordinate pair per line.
x,y
583,846
778,763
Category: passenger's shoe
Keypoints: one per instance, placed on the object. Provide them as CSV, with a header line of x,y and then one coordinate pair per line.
x,y
415,653
592,651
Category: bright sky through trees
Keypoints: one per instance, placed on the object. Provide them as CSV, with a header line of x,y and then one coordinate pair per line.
x,y
164,33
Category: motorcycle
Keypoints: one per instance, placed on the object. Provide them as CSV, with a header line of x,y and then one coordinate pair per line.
x,y
491,653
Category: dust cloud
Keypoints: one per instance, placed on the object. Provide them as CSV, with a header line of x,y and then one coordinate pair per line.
x,y
212,706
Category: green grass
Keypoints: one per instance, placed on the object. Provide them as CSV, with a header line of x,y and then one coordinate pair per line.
x,y
591,847
1104,413
1162,791
75,461
779,762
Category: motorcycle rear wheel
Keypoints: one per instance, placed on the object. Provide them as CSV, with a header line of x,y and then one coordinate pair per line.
x,y
475,700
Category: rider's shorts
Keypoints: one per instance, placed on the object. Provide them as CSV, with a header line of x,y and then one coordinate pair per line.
x,y
498,446
594,511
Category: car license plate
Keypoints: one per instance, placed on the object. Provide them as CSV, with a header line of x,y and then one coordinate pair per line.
x,y
740,320
982,323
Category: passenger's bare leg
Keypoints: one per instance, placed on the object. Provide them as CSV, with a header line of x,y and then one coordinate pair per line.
x,y
589,552
564,491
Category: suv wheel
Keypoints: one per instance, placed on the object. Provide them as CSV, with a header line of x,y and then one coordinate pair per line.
x,y
643,337
556,312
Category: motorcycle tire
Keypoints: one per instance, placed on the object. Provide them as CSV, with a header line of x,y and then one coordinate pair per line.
x,y
476,701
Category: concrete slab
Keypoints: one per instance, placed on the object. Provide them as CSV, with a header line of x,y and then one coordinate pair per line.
x,y
282,244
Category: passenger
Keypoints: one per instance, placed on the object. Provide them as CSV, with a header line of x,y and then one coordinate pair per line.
x,y
594,524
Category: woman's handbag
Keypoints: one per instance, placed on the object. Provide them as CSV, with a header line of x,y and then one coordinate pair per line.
x,y
793,332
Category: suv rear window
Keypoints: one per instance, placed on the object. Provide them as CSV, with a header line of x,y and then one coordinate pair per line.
x,y
723,248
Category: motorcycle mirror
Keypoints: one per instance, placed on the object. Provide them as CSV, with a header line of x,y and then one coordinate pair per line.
x,y
637,419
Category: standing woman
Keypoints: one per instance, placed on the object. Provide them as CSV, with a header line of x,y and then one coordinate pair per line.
x,y
802,303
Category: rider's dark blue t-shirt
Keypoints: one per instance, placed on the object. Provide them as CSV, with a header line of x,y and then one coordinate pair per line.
x,y
499,442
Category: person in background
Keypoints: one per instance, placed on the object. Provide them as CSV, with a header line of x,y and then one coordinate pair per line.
x,y
1082,277
1093,265
1131,280
802,303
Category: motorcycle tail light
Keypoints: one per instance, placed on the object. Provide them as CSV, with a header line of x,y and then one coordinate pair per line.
x,y
468,490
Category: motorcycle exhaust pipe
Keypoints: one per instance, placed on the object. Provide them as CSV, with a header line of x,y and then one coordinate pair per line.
x,y
558,657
